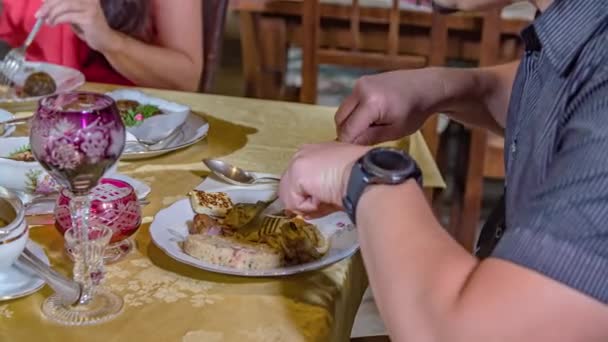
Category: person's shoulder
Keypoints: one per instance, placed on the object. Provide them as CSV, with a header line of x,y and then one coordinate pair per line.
x,y
589,74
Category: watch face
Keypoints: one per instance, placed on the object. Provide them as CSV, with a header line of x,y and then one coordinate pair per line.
x,y
388,160
389,165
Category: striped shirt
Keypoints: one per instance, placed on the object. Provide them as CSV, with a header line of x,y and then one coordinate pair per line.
x,y
556,149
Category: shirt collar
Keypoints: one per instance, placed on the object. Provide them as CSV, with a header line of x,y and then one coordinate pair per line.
x,y
564,28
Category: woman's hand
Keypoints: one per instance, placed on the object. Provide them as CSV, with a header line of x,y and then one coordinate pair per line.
x,y
316,178
388,106
86,17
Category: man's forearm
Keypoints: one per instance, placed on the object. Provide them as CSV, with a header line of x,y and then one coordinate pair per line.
x,y
478,97
415,268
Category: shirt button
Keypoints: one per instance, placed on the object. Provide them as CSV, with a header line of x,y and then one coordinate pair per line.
x,y
513,147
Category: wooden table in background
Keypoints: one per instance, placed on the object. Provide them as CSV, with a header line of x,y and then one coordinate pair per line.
x,y
269,27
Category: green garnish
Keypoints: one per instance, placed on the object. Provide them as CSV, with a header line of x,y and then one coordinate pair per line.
x,y
23,153
20,150
137,115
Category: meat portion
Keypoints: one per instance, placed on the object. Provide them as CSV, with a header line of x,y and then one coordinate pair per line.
x,y
207,225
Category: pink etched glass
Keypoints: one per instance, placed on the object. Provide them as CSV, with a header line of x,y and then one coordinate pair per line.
x,y
76,137
114,205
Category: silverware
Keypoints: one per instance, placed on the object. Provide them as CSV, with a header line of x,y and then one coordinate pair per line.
x,y
69,291
235,175
159,144
15,59
11,122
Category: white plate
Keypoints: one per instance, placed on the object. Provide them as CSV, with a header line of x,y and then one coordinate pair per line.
x,y
170,226
192,131
66,79
5,116
19,282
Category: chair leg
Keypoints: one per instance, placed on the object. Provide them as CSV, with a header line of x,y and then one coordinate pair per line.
x,y
466,233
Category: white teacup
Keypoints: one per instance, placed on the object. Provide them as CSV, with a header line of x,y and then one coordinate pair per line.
x,y
13,235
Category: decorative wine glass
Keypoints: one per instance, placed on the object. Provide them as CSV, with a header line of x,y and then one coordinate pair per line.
x,y
76,137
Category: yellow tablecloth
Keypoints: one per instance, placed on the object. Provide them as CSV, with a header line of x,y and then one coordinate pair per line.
x,y
169,301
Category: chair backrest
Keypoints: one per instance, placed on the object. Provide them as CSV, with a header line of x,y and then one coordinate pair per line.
x,y
313,54
214,19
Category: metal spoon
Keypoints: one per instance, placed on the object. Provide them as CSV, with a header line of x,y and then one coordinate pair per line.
x,y
235,175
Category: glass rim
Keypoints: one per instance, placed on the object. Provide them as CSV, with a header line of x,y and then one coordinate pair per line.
x,y
43,102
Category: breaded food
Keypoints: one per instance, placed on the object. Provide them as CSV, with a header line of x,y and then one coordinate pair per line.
x,y
229,252
216,204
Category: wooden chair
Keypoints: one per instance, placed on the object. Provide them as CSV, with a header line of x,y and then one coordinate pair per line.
x,y
314,54
214,19
484,154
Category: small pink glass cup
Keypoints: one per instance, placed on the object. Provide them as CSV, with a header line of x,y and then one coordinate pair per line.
x,y
114,204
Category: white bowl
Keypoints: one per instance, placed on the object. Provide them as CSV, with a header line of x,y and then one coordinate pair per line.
x,y
18,175
157,127
13,236
27,179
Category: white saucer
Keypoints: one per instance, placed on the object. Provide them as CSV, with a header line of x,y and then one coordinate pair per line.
x,y
18,282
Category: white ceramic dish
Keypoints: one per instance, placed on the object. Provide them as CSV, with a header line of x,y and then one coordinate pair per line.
x,y
29,179
170,226
5,116
13,234
18,282
66,79
17,175
158,127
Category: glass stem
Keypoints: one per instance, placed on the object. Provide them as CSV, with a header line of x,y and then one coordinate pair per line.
x,y
80,208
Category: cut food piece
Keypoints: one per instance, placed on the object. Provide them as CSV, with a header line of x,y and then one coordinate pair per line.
x,y
229,252
205,224
216,204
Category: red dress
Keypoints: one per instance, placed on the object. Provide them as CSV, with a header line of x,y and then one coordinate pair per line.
x,y
57,45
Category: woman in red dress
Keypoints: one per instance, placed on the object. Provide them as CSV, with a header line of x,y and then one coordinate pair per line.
x,y
148,43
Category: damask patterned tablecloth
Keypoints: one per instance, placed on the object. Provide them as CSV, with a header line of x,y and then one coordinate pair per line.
x,y
169,301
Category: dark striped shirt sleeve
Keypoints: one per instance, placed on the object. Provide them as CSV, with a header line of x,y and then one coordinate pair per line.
x,y
562,232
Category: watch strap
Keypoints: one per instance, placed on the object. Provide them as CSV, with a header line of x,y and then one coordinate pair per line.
x,y
357,182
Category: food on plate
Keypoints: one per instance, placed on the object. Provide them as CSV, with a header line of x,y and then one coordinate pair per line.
x,y
210,203
23,154
231,252
241,236
133,113
39,84
242,214
3,223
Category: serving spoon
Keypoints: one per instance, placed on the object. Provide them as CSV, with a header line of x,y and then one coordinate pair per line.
x,y
235,175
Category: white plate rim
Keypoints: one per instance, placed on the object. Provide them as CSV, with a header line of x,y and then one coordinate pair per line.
x,y
11,129
38,283
283,271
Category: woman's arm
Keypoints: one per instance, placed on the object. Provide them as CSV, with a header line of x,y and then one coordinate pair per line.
x,y
428,288
176,61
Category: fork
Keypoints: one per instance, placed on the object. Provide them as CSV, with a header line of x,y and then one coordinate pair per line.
x,y
14,59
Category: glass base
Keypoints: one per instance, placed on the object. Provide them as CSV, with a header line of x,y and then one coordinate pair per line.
x,y
113,253
103,307
117,251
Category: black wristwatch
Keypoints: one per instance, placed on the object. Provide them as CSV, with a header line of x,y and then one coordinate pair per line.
x,y
380,165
